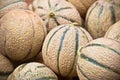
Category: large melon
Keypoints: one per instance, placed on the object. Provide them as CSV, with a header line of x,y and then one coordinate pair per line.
x,y
21,34
32,71
6,67
7,5
82,5
60,48
99,60
114,32
55,12
101,15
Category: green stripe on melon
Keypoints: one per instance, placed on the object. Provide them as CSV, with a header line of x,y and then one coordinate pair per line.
x,y
60,47
104,46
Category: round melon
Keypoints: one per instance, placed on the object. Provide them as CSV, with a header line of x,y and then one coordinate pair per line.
x,y
6,67
60,48
99,60
32,71
7,5
21,34
114,32
55,12
82,5
100,16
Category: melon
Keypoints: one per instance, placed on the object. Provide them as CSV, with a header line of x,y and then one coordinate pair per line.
x,y
100,16
55,12
32,71
6,67
60,48
22,33
82,5
114,32
7,5
99,60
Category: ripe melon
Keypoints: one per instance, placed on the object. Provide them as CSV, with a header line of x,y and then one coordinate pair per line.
x,y
82,5
32,71
21,34
101,15
99,60
6,67
114,32
55,12
7,5
60,48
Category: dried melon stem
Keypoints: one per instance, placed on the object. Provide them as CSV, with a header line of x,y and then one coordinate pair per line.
x,y
74,24
51,14
79,50
109,0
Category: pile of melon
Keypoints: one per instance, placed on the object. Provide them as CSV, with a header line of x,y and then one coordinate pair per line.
x,y
59,39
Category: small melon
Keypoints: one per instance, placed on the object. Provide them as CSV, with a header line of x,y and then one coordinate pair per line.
x,y
21,34
7,5
99,60
82,5
55,12
32,71
100,16
114,32
60,48
6,67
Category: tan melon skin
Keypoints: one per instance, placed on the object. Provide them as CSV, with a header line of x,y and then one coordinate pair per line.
x,y
71,13
102,55
22,34
6,67
114,32
67,58
99,20
82,5
11,5
32,71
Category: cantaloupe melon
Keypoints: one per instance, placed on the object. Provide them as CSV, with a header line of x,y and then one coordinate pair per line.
x,y
55,12
7,5
60,48
33,71
114,32
6,67
21,34
82,5
100,16
99,60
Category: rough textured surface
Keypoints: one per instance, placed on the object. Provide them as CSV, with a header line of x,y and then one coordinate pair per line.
x,y
7,5
60,48
101,15
99,60
32,71
114,32
21,34
82,5
6,67
55,12
29,1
